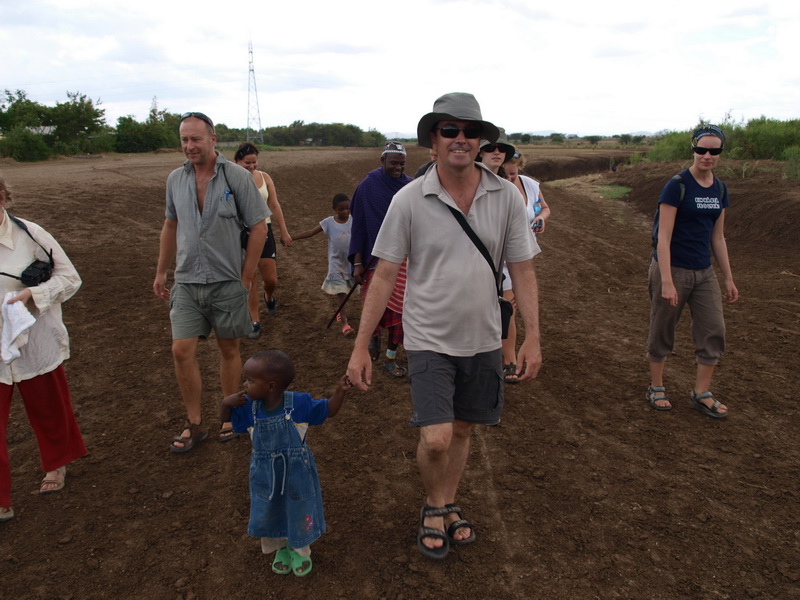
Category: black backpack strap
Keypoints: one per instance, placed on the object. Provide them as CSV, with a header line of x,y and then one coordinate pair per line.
x,y
723,191
478,244
242,224
681,196
229,190
681,187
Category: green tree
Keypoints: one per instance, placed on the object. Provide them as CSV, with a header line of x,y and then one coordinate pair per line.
x,y
557,138
372,138
625,139
298,133
75,121
133,136
339,134
593,139
21,144
166,124
17,111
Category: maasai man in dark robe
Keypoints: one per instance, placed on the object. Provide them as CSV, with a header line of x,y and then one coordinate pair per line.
x,y
368,208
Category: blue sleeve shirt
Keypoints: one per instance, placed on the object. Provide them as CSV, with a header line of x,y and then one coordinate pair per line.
x,y
690,247
307,411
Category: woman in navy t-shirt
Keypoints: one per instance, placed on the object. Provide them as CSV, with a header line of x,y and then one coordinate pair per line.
x,y
689,228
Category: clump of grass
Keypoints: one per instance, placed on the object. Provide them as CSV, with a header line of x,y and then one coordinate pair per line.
x,y
792,157
636,158
614,192
742,170
559,183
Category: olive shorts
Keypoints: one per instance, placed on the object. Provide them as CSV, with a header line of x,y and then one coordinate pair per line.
x,y
197,308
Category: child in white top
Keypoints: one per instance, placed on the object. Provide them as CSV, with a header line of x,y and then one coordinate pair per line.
x,y
340,278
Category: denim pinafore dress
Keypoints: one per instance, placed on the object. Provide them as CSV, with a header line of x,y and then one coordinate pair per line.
x,y
285,495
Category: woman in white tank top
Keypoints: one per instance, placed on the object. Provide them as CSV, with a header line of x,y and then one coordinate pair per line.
x,y
247,156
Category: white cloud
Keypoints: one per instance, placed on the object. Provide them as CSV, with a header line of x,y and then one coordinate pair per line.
x,y
571,66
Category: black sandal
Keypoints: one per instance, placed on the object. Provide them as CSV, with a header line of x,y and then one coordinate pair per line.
x,y
393,369
459,524
195,437
658,394
510,373
430,532
711,411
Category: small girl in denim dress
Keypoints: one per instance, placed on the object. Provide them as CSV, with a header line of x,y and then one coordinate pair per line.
x,y
285,496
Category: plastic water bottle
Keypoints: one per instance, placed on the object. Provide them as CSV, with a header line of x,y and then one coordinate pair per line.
x,y
537,209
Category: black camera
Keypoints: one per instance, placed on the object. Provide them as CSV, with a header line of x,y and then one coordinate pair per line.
x,y
35,273
38,271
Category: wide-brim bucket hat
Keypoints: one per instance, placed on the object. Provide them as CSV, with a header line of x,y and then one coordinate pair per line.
x,y
455,106
502,138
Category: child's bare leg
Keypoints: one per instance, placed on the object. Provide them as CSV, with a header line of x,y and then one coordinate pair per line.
x,y
252,303
342,312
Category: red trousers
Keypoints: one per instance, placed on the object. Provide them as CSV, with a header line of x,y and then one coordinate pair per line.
x,y
49,408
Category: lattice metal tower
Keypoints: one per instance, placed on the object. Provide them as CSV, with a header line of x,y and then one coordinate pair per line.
x,y
253,114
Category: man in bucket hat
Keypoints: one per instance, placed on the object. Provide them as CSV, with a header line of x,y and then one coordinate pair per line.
x,y
451,317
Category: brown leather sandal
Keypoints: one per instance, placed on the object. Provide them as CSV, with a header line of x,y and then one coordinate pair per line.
x,y
195,437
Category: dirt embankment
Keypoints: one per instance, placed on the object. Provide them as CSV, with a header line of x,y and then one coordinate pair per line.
x,y
550,164
566,166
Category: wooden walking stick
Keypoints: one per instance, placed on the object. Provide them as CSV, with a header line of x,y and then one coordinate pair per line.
x,y
341,306
347,297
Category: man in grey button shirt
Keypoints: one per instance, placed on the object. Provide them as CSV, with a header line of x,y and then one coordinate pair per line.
x,y
451,316
207,199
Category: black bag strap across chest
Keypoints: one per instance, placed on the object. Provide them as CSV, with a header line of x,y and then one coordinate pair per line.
x,y
459,216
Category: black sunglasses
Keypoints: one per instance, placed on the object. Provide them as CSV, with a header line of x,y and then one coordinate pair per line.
x,y
492,147
702,151
197,115
471,132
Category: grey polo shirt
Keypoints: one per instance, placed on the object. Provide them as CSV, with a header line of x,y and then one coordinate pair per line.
x,y
451,297
209,247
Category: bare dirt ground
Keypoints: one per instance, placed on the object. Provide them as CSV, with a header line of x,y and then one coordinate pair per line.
x,y
583,492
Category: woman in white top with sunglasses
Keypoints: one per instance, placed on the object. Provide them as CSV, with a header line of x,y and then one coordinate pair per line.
x,y
688,229
502,157
247,156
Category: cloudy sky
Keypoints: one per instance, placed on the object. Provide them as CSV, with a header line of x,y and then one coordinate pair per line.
x,y
582,67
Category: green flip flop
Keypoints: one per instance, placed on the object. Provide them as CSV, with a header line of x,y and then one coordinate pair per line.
x,y
282,565
301,565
